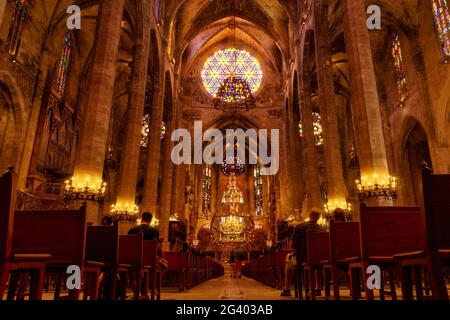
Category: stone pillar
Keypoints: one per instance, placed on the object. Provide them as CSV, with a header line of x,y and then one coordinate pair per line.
x,y
167,172
99,98
309,143
294,168
154,151
365,102
128,174
336,184
2,10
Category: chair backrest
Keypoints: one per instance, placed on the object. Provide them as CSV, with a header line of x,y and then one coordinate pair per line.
x,y
175,262
61,233
344,240
7,202
318,247
280,257
437,209
131,249
102,244
386,231
150,253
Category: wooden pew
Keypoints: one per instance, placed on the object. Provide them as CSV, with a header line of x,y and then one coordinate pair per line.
x,y
344,243
28,262
437,252
318,250
131,257
150,249
385,232
61,233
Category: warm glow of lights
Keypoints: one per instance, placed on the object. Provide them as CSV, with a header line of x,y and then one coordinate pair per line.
x,y
334,204
228,62
318,130
377,185
126,208
86,183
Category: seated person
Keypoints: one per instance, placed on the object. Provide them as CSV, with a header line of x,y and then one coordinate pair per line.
x,y
299,236
339,215
163,264
149,232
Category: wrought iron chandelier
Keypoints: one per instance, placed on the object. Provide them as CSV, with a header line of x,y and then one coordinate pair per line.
x,y
377,187
233,166
84,192
234,93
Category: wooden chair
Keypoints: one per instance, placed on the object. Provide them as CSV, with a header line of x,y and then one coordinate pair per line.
x,y
385,232
131,257
174,275
61,233
27,262
344,245
154,273
102,244
437,252
318,250
280,262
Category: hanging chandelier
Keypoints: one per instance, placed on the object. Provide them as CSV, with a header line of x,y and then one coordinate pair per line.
x,y
233,166
232,195
235,93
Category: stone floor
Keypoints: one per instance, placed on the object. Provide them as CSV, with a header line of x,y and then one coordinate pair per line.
x,y
227,288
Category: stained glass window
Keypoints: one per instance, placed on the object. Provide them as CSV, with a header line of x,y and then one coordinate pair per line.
x,y
317,124
206,191
259,210
145,130
16,25
399,70
442,19
64,64
227,62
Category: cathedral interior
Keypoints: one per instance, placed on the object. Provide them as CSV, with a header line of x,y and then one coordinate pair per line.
x,y
92,91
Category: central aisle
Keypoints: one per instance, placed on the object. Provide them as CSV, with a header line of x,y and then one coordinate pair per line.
x,y
227,288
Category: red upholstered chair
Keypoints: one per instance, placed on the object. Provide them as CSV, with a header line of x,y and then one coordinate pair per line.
x,y
344,245
28,262
61,233
385,232
174,275
151,263
318,250
131,257
436,255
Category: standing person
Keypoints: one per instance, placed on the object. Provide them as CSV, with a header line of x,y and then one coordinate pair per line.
x,y
239,257
232,261
298,240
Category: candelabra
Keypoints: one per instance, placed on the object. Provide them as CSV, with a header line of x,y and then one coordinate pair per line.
x,y
125,213
85,192
377,187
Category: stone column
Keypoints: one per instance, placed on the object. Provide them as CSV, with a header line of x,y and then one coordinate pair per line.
x,y
365,102
154,151
293,139
335,176
2,10
126,186
99,97
167,173
309,143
